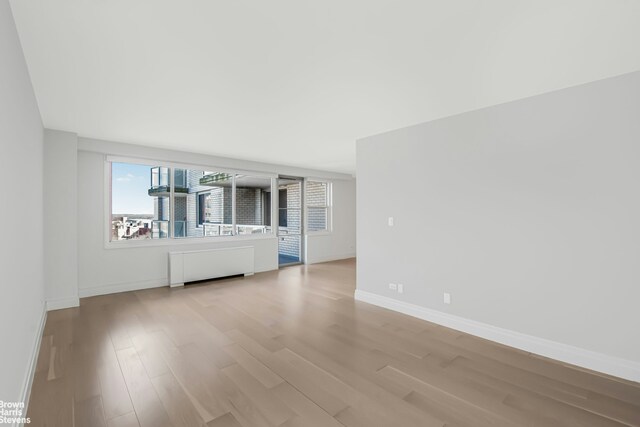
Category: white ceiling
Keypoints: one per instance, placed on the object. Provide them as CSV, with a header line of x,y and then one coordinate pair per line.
x,y
297,81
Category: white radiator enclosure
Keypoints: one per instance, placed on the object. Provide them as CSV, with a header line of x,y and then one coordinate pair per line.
x,y
190,266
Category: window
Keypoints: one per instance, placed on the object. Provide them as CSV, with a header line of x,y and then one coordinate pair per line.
x,y
159,177
253,204
317,198
201,208
205,208
282,203
139,209
161,202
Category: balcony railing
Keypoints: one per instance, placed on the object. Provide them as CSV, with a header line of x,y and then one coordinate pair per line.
x,y
253,229
160,182
210,229
160,229
216,179
165,190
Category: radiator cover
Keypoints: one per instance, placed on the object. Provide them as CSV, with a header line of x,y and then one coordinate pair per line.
x,y
190,266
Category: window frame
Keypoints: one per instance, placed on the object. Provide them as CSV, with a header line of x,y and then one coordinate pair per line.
x,y
171,240
328,206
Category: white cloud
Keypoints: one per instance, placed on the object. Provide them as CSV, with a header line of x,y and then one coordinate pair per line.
x,y
127,178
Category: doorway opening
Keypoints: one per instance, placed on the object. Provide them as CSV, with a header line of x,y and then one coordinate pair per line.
x,y
290,220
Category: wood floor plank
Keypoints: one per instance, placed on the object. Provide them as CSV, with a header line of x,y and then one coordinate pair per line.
x,y
226,420
119,332
318,391
89,413
241,406
127,420
51,403
147,346
274,410
86,382
175,401
197,375
259,371
115,395
309,414
46,345
146,403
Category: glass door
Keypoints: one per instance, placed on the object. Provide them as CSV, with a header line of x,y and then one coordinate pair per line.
x,y
290,220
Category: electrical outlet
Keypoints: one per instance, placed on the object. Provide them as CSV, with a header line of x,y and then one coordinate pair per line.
x,y
447,298
390,221
400,288
393,286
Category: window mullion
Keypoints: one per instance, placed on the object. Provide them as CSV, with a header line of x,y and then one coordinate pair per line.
x,y
234,229
172,203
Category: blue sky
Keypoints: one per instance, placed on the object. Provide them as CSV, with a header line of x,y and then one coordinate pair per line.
x,y
130,184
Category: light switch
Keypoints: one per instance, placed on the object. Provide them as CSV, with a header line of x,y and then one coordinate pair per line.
x,y
390,221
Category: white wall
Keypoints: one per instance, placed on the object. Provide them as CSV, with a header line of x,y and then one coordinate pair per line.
x,y
21,244
61,219
526,212
341,242
105,270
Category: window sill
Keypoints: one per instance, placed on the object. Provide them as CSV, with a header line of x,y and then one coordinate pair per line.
x,y
131,244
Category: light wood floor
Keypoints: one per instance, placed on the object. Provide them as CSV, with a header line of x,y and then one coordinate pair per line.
x,y
292,348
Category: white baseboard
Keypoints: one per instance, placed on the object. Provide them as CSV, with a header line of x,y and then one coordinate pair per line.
x,y
330,258
610,365
62,303
122,287
33,361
